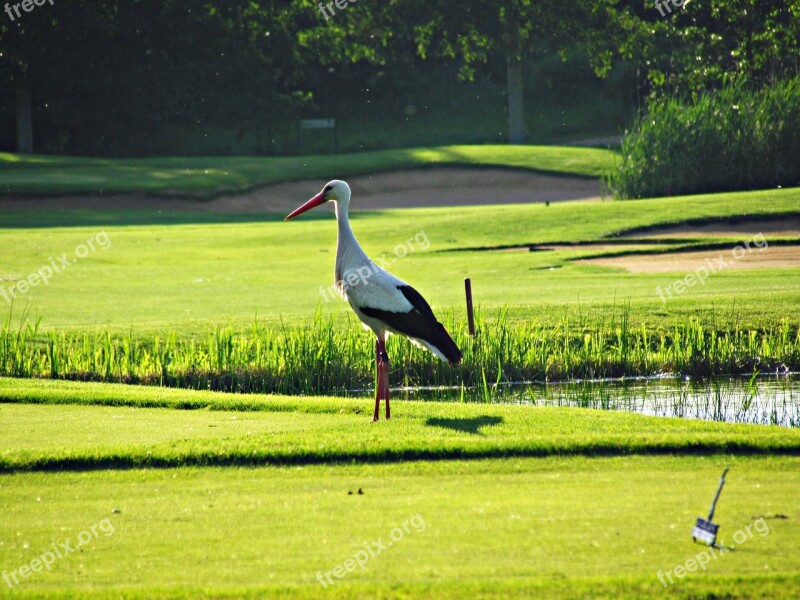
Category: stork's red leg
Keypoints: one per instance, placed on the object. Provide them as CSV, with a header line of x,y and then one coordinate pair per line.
x,y
382,377
378,380
385,369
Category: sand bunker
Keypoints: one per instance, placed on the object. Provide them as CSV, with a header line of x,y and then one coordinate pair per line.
x,y
680,262
781,227
597,248
399,189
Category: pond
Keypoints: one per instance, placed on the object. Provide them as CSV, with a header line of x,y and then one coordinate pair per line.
x,y
766,400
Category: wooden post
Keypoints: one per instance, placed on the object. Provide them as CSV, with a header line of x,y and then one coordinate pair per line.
x,y
470,316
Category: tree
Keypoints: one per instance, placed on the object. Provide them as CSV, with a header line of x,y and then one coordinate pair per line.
x,y
700,46
511,31
111,77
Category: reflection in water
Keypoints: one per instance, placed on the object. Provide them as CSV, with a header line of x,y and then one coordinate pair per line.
x,y
765,400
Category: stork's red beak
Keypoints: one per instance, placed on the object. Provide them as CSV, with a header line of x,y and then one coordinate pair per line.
x,y
315,201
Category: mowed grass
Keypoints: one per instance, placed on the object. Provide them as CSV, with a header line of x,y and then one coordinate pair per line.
x,y
212,176
522,527
117,426
235,495
247,306
286,509
188,277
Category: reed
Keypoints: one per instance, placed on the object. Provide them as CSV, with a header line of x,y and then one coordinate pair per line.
x,y
328,357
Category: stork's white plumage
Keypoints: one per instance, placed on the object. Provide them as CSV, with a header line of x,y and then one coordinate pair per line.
x,y
384,303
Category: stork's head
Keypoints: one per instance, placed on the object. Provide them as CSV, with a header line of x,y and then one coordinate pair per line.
x,y
334,191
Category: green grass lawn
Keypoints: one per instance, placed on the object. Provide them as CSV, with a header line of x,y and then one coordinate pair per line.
x,y
247,496
167,427
559,527
213,176
213,284
188,276
516,526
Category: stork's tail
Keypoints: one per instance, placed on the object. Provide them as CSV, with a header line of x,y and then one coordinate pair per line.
x,y
447,349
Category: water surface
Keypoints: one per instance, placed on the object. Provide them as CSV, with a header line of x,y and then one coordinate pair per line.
x,y
766,400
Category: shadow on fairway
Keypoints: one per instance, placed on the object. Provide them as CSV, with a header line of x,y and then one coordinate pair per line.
x,y
472,425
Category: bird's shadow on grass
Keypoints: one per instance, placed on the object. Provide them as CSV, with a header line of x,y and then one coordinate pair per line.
x,y
471,425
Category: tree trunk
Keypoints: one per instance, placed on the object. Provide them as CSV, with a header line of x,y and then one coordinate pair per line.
x,y
516,112
24,121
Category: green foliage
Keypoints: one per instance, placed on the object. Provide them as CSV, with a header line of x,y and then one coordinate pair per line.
x,y
238,76
734,139
234,78
156,74
700,46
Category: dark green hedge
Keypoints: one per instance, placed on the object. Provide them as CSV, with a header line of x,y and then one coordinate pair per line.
x,y
733,139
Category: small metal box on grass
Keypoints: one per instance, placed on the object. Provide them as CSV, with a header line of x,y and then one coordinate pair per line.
x,y
705,530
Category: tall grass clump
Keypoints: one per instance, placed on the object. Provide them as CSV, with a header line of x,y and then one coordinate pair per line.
x,y
733,139
328,357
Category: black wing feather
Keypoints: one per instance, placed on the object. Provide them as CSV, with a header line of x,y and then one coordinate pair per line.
x,y
418,323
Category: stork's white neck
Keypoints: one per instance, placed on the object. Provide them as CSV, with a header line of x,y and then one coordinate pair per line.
x,y
342,206
349,254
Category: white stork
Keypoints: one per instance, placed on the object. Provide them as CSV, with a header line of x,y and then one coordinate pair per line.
x,y
384,303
